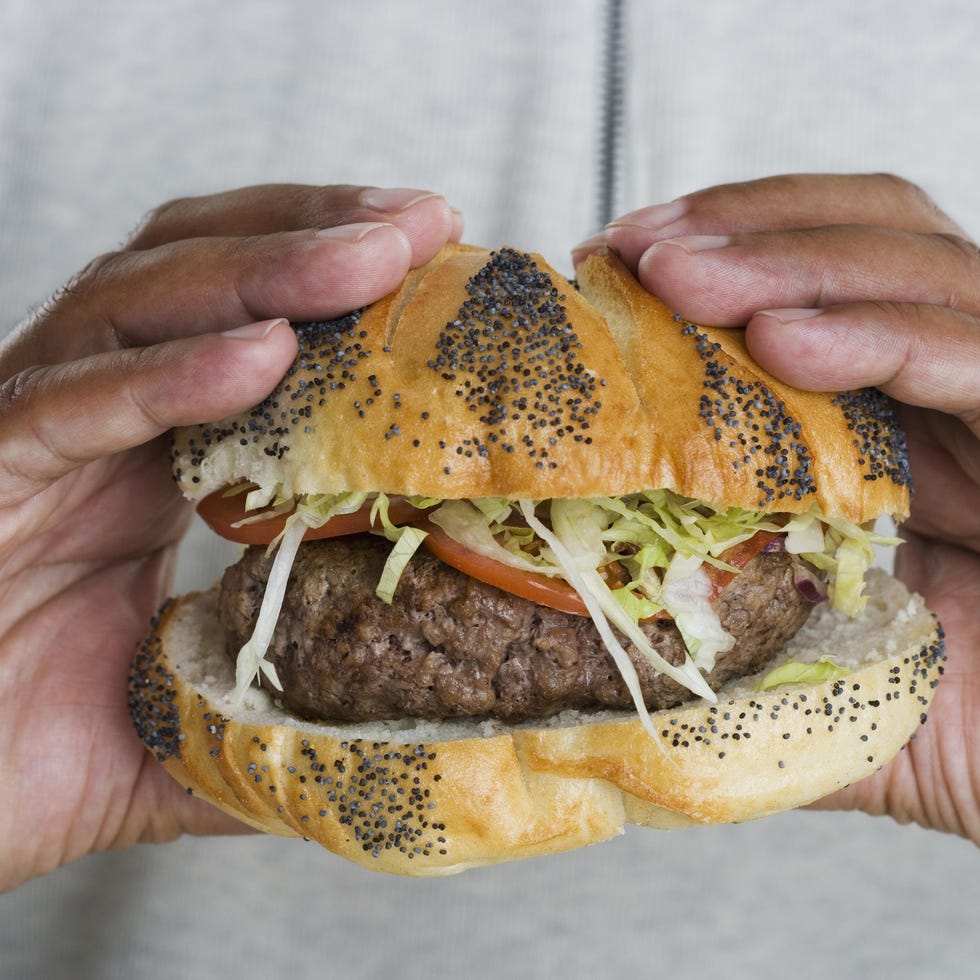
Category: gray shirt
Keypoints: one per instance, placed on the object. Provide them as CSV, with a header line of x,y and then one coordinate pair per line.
x,y
107,110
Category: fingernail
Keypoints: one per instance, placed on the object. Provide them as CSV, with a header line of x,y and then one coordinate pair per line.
x,y
393,198
654,217
695,243
457,228
790,316
254,331
353,232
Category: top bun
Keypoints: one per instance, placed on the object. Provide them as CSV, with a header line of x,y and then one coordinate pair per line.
x,y
488,374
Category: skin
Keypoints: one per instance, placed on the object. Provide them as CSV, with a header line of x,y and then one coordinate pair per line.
x,y
89,515
843,281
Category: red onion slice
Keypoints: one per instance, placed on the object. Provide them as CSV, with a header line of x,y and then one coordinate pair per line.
x,y
809,585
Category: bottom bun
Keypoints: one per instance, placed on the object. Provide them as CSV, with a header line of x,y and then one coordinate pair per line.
x,y
432,798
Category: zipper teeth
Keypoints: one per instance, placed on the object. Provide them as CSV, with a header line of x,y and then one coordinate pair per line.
x,y
612,112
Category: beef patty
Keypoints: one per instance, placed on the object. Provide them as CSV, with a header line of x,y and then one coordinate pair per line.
x,y
449,646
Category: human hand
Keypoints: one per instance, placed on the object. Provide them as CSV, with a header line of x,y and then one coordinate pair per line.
x,y
181,326
846,282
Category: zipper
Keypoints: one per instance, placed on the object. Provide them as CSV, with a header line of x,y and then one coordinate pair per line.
x,y
612,113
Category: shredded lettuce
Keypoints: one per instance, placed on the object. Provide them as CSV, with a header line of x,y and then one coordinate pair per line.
x,y
576,542
406,540
793,672
658,540
251,663
466,522
687,597
637,606
315,509
591,600
311,511
661,541
842,550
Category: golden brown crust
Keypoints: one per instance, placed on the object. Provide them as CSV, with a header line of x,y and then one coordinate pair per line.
x,y
487,374
435,798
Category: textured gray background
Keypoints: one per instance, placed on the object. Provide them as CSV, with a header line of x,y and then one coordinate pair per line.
x,y
104,113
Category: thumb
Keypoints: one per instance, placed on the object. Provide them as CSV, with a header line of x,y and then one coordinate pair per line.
x,y
56,418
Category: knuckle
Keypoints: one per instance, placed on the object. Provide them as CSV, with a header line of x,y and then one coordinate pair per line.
x,y
19,390
27,427
94,275
892,311
148,363
908,195
913,199
333,204
960,246
901,187
957,270
154,227
84,284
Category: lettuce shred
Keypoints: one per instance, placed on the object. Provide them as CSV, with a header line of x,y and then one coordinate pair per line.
x,y
310,511
793,672
659,541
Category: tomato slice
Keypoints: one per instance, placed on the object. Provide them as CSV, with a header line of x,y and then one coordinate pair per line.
x,y
556,592
542,589
738,557
221,513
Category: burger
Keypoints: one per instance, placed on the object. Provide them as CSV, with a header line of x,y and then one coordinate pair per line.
x,y
526,560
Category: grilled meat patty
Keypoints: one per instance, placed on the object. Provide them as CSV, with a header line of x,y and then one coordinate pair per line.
x,y
450,646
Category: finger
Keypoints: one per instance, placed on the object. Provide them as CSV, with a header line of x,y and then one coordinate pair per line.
x,y
946,468
133,299
227,282
922,355
781,203
933,781
723,280
58,418
426,218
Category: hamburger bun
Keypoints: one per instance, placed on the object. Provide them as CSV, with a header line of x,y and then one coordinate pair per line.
x,y
604,392
488,375
434,798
